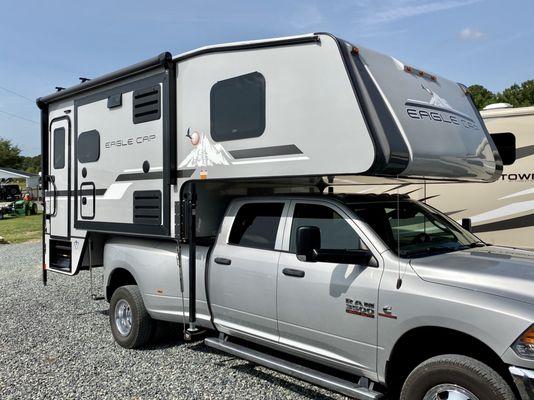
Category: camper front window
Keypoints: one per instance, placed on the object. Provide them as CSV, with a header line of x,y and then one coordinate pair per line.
x,y
412,229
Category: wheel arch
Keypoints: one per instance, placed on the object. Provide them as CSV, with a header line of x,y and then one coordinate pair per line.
x,y
421,343
118,277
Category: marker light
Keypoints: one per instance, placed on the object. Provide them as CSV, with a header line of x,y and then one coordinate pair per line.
x,y
524,346
355,51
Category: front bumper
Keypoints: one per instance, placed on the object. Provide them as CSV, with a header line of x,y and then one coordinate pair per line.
x,y
524,381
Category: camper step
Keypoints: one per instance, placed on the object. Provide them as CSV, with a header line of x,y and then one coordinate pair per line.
x,y
295,370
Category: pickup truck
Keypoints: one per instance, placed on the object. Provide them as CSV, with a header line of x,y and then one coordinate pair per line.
x,y
381,288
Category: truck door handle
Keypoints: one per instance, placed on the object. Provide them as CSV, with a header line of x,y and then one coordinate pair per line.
x,y
297,273
223,261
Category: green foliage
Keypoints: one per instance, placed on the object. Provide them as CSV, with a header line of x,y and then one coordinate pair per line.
x,y
10,157
31,164
481,96
9,154
517,95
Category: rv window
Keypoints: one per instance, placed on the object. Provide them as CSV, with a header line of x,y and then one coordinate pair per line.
x,y
505,143
88,148
256,225
237,107
59,148
336,233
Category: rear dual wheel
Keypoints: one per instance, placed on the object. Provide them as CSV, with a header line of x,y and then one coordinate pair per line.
x,y
455,377
131,324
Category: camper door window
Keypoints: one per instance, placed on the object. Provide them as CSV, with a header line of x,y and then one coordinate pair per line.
x,y
237,107
59,148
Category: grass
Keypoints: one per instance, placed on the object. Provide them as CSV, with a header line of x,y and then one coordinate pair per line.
x,y
21,229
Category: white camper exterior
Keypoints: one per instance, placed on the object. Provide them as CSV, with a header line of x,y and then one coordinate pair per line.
x,y
118,148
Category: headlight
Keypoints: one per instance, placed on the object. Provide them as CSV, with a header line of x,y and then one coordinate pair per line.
x,y
524,346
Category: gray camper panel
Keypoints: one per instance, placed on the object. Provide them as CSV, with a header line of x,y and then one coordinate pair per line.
x,y
120,147
443,132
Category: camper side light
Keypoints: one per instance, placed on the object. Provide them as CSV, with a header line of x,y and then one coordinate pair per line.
x,y
355,51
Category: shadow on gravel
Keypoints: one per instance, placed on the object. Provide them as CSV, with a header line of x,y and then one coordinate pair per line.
x,y
250,369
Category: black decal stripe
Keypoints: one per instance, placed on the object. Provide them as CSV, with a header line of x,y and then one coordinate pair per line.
x,y
435,108
397,187
512,223
270,151
185,173
429,197
523,152
455,212
85,192
141,176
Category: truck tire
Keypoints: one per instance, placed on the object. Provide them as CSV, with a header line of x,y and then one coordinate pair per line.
x,y
465,377
131,324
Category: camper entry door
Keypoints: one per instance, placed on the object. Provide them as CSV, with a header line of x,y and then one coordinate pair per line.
x,y
58,193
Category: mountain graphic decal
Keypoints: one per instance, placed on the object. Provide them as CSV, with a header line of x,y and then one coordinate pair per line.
x,y
204,153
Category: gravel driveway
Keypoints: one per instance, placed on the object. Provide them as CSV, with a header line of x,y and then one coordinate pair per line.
x,y
55,342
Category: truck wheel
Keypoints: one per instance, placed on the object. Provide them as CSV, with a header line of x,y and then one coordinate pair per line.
x,y
34,209
456,377
131,324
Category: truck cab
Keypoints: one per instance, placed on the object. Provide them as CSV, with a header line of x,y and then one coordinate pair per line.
x,y
378,286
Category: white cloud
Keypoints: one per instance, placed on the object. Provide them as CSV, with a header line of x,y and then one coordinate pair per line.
x,y
392,11
470,34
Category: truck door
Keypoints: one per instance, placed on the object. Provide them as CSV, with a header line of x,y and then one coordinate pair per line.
x,y
58,193
243,268
327,308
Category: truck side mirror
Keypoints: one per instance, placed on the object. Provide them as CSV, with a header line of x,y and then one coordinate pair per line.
x,y
466,224
506,146
308,243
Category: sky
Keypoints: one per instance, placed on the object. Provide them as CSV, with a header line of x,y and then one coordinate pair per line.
x,y
51,43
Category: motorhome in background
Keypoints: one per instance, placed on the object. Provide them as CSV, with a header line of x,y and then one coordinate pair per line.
x,y
501,212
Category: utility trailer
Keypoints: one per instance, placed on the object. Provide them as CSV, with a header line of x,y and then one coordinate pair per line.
x,y
224,159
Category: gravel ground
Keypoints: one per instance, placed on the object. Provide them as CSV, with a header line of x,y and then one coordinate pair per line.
x,y
56,343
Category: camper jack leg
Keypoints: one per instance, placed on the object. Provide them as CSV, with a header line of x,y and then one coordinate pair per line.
x,y
190,206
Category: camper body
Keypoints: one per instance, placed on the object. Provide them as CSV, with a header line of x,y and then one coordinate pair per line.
x,y
185,178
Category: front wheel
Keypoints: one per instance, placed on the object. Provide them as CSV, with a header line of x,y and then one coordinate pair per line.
x,y
455,377
131,324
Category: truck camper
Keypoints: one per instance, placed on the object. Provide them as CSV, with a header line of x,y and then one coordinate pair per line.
x,y
204,184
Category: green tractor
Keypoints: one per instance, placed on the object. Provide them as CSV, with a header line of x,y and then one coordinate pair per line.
x,y
25,206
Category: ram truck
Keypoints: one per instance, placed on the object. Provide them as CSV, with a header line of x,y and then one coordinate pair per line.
x,y
381,288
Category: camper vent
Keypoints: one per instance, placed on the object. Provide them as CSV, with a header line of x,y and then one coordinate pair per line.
x,y
60,255
147,207
146,104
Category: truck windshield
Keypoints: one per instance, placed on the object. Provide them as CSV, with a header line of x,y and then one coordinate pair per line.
x,y
412,229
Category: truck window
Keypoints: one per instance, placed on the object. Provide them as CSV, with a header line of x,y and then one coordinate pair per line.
x,y
336,233
256,225
237,107
59,148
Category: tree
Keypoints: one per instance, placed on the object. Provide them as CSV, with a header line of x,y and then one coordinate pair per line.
x,y
31,164
9,154
518,96
481,96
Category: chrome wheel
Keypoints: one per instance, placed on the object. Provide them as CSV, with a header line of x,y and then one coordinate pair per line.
x,y
448,391
123,317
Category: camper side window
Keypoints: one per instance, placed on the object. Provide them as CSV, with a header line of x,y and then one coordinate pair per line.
x,y
59,148
256,225
88,148
237,107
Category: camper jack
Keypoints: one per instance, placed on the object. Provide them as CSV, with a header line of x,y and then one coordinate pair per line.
x,y
211,186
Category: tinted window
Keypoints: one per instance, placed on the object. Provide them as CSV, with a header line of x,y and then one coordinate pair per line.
x,y
59,148
237,107
88,146
256,224
505,143
336,233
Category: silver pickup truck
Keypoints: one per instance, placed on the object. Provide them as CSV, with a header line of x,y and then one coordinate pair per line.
x,y
378,287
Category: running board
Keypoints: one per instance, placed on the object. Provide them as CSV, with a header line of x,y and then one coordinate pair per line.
x,y
295,370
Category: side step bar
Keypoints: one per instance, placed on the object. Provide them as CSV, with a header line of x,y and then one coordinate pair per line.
x,y
295,370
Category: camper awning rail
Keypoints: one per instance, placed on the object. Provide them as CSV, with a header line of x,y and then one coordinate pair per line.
x,y
161,60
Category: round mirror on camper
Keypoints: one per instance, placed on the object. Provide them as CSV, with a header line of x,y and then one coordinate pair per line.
x,y
146,166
